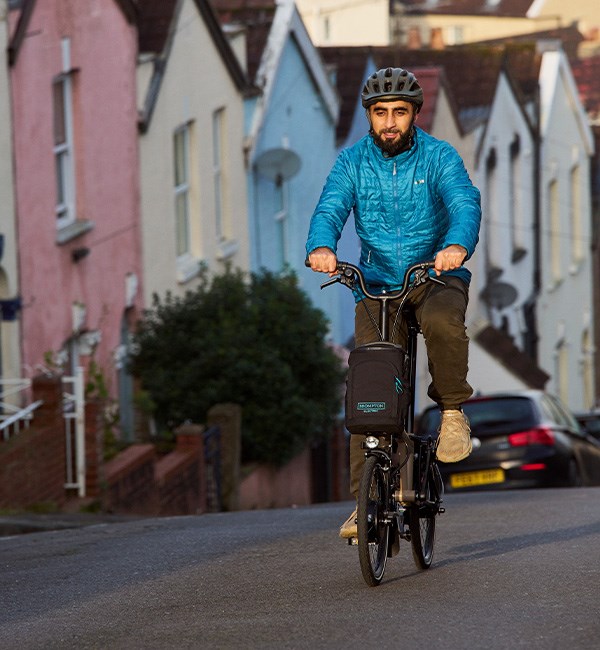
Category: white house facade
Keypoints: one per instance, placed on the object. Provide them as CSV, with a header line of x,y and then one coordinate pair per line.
x,y
565,312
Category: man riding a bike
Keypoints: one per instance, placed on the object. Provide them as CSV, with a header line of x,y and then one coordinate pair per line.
x,y
413,201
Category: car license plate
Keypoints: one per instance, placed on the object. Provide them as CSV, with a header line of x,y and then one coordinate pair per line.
x,y
470,479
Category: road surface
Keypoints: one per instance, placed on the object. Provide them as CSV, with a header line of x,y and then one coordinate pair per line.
x,y
511,570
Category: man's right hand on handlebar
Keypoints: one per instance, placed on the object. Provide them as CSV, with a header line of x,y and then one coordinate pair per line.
x,y
323,260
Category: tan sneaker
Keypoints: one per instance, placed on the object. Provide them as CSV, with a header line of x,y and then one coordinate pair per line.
x,y
454,441
349,527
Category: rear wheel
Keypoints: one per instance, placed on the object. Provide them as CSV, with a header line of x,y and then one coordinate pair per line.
x,y
422,520
373,530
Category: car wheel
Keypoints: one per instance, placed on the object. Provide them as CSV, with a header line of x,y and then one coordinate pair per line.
x,y
574,476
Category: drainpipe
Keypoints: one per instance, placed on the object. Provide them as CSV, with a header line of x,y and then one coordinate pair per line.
x,y
537,281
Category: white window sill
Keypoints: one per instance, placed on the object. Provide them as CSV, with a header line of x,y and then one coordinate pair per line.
x,y
555,284
227,249
188,267
73,230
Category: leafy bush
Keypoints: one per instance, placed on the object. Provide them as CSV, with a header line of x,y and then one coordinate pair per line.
x,y
260,344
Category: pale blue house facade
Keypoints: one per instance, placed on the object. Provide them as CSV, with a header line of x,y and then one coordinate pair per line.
x,y
290,149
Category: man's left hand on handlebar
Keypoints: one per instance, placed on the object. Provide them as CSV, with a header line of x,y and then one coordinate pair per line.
x,y
449,258
323,260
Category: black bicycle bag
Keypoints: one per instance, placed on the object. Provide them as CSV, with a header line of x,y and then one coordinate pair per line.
x,y
377,389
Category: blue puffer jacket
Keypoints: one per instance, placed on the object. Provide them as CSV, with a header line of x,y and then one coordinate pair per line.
x,y
406,208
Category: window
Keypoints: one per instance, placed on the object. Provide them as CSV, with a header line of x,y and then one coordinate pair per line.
x,y
181,168
455,35
62,102
280,205
515,208
218,173
491,245
575,218
554,209
587,368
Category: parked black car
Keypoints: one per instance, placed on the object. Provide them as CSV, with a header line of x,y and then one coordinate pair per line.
x,y
590,422
520,439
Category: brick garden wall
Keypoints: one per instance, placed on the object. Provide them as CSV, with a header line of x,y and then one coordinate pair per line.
x,y
32,462
137,481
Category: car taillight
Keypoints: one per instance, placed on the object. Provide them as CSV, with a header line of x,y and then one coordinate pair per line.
x,y
540,436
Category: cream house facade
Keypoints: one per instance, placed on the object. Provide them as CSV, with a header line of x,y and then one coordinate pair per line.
x,y
335,22
585,13
193,179
434,24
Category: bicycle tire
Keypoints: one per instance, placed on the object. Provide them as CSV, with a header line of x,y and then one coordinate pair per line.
x,y
373,530
422,521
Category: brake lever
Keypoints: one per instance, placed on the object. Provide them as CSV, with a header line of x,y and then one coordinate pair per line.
x,y
422,276
337,278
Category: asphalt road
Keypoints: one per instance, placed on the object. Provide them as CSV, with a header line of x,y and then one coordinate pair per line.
x,y
512,570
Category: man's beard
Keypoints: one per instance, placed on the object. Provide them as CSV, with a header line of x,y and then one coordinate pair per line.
x,y
394,147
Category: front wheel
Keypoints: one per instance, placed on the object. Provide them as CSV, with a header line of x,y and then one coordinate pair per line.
x,y
373,528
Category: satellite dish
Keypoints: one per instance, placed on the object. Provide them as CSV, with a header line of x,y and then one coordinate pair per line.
x,y
278,164
499,294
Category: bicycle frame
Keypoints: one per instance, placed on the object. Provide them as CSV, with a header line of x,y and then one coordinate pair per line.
x,y
397,455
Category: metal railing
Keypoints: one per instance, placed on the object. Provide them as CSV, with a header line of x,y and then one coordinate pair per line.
x,y
13,417
212,463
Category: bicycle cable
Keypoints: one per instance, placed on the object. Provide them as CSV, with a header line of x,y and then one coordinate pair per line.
x,y
372,319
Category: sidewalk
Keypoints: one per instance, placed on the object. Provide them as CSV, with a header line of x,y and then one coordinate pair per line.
x,y
37,523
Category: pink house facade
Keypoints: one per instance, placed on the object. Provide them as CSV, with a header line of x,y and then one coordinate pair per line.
x,y
73,79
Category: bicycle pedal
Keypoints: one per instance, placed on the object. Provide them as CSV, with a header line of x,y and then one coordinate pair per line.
x,y
352,541
441,511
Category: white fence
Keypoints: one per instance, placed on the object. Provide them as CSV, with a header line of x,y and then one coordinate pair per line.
x,y
74,413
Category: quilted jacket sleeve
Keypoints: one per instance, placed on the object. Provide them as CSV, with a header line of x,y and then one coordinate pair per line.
x,y
334,206
462,200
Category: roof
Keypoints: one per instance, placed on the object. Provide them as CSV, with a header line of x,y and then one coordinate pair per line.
x,y
269,25
470,73
569,38
256,16
502,8
156,30
154,23
587,77
128,7
500,345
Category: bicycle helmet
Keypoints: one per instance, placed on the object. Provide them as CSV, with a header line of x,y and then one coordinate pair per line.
x,y
390,84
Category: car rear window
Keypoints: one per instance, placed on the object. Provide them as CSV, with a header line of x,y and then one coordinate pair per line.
x,y
488,416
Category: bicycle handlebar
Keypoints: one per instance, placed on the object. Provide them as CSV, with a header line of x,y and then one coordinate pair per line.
x,y
350,274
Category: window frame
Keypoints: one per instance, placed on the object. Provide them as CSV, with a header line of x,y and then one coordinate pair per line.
x,y
63,149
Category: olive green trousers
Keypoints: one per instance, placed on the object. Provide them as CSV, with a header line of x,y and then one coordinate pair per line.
x,y
440,311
